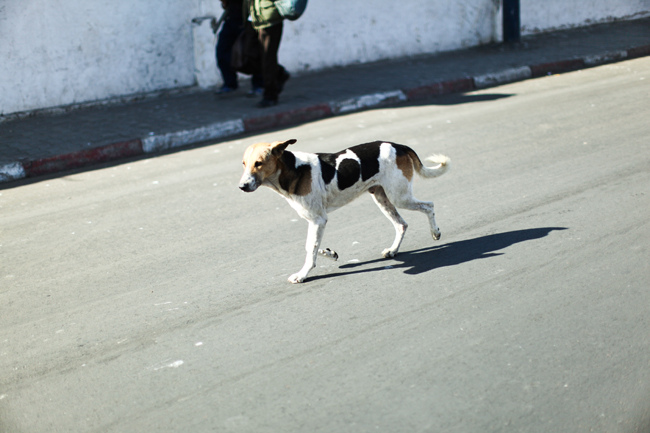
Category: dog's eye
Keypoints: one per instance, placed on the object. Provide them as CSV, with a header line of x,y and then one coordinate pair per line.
x,y
258,164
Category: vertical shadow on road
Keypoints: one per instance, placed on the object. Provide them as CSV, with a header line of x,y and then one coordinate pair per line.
x,y
450,254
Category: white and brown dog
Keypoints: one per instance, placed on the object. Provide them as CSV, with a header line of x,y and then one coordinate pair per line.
x,y
315,184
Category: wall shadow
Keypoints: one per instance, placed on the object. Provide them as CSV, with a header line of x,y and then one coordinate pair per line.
x,y
451,254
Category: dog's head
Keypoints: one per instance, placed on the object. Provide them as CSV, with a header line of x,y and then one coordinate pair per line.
x,y
260,163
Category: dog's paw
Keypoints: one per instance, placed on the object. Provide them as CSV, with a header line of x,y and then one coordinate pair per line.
x,y
297,278
388,253
329,254
436,235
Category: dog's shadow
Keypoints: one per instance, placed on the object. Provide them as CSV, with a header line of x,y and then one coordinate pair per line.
x,y
450,254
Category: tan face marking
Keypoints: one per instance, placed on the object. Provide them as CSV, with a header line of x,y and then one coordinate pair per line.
x,y
261,161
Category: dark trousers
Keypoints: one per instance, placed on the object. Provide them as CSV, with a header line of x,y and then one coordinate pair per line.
x,y
231,28
274,74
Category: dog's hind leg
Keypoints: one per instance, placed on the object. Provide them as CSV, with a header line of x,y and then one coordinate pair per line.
x,y
388,209
409,202
314,236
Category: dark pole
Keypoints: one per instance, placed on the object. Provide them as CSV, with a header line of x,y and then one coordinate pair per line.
x,y
511,21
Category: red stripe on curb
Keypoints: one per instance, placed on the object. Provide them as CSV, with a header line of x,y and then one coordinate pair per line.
x,y
442,88
83,158
638,52
556,67
286,118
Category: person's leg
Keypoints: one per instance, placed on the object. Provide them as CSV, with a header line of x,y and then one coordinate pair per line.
x,y
257,82
270,40
227,36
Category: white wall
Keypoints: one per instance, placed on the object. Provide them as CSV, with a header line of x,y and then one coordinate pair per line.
x,y
60,52
56,52
340,32
545,15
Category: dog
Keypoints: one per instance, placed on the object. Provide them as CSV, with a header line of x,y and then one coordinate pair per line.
x,y
317,183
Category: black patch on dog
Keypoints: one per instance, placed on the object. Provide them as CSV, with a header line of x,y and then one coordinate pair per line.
x,y
295,180
327,166
401,150
349,170
348,173
289,160
368,154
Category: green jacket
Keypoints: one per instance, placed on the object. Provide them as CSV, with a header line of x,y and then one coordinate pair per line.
x,y
263,13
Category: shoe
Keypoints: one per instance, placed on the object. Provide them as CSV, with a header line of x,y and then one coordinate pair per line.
x,y
255,91
224,90
266,103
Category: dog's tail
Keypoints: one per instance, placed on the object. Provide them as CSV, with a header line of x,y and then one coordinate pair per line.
x,y
442,165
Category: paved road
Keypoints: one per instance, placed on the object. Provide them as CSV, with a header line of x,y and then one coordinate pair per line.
x,y
152,296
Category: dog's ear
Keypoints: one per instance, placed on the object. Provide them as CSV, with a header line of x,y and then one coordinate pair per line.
x,y
280,146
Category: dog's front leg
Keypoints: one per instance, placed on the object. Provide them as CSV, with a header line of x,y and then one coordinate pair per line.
x,y
314,236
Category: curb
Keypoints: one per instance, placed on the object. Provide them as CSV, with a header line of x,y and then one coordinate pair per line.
x,y
158,143
502,77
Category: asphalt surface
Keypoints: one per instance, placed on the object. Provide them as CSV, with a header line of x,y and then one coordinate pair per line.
x,y
33,145
152,295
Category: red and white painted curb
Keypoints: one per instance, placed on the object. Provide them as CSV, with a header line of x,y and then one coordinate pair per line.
x,y
230,128
157,143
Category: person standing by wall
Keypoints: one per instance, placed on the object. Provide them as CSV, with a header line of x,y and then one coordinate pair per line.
x,y
232,27
267,21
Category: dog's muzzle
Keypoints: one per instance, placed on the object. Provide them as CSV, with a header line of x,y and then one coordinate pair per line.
x,y
248,183
247,187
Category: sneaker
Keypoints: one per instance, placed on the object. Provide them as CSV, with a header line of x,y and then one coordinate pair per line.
x,y
224,90
255,91
266,103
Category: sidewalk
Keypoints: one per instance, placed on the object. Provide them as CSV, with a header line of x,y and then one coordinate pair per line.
x,y
48,144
